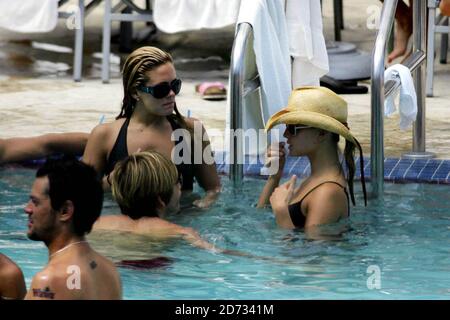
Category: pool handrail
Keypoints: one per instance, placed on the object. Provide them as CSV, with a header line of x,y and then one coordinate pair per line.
x,y
380,90
239,89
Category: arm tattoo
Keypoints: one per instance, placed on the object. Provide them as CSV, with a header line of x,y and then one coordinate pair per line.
x,y
93,264
46,293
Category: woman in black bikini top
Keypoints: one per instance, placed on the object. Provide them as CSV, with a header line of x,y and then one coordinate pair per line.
x,y
315,118
148,118
120,152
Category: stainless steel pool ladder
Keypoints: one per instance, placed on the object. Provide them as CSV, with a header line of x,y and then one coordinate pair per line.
x,y
381,90
244,79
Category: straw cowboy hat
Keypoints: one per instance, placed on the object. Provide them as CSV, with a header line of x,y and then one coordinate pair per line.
x,y
317,107
321,108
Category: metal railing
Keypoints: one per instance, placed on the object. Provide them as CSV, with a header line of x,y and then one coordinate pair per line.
x,y
113,14
380,90
83,11
242,83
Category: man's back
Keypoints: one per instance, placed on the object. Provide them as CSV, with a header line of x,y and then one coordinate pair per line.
x,y
80,273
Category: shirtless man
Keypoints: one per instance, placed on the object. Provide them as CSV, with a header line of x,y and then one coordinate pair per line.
x,y
65,200
12,284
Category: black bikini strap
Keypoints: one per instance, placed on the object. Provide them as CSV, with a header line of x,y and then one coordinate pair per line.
x,y
340,185
124,128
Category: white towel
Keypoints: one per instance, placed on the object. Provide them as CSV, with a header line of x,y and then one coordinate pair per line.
x,y
306,41
271,47
29,16
175,15
408,97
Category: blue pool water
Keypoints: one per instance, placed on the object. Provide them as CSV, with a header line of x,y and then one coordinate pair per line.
x,y
406,237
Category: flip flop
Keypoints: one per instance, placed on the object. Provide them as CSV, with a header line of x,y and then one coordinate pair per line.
x,y
212,90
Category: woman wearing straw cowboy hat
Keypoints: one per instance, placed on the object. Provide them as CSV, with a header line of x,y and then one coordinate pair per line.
x,y
315,118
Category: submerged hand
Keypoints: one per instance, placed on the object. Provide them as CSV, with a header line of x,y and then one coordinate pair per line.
x,y
207,200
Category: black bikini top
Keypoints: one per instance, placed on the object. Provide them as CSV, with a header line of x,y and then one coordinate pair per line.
x,y
120,151
295,209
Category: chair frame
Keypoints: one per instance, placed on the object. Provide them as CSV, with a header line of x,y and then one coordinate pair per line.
x,y
436,24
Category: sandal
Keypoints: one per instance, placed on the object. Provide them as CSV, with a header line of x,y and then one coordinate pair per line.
x,y
211,90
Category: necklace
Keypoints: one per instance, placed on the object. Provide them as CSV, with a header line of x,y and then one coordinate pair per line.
x,y
66,247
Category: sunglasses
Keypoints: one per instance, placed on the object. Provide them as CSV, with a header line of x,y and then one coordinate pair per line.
x,y
293,129
162,89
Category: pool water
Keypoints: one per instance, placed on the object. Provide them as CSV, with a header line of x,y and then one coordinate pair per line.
x,y
405,238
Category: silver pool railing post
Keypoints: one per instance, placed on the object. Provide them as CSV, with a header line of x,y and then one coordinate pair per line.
x,y
236,101
377,97
419,30
106,41
78,50
419,44
381,90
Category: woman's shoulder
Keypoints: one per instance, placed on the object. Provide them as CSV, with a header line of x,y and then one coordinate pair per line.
x,y
321,190
328,196
105,129
191,122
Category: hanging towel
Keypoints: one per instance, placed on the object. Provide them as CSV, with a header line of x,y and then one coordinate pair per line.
x,y
29,16
408,97
306,42
174,15
271,47
273,61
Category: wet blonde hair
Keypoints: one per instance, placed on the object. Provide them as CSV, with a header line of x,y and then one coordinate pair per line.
x,y
138,63
139,180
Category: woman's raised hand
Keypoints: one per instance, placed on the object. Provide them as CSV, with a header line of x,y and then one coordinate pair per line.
x,y
276,159
282,195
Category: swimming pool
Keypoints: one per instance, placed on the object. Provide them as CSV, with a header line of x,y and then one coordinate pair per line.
x,y
406,238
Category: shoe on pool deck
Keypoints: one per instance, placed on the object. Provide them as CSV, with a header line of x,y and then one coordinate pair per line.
x,y
212,90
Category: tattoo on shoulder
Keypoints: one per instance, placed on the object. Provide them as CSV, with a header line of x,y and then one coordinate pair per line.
x,y
93,264
44,293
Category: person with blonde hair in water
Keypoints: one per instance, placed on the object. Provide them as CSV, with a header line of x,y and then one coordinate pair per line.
x,y
147,121
147,187
315,119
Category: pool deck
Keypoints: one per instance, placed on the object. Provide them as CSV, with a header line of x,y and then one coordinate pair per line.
x,y
37,94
